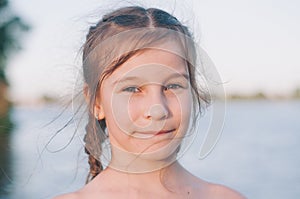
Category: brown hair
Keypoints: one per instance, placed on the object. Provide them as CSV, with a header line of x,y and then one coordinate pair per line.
x,y
100,60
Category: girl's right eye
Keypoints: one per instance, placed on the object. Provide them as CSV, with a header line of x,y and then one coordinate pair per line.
x,y
131,89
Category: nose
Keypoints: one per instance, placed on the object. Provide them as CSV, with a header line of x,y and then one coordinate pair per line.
x,y
157,107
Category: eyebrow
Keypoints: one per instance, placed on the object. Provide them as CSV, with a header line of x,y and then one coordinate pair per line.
x,y
174,75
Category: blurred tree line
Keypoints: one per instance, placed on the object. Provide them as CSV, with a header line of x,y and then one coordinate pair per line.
x,y
11,28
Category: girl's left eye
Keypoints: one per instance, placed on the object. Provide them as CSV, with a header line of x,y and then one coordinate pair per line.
x,y
172,86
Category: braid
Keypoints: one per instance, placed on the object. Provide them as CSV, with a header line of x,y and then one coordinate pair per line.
x,y
95,167
94,138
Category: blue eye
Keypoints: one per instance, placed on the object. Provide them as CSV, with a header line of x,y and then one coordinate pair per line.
x,y
131,89
173,86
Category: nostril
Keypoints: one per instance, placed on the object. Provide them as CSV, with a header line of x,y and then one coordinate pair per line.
x,y
156,111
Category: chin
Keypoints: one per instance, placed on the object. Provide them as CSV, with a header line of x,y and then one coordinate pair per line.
x,y
159,152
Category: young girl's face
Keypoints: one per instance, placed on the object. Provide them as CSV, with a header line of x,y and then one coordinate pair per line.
x,y
147,102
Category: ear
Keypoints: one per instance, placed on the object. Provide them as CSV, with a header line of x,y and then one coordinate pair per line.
x,y
97,108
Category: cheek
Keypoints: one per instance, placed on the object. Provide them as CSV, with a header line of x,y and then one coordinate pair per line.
x,y
136,108
182,109
182,102
112,108
120,114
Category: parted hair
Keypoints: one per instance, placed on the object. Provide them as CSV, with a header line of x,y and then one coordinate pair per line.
x,y
118,21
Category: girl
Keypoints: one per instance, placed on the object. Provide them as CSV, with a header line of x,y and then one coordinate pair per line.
x,y
141,90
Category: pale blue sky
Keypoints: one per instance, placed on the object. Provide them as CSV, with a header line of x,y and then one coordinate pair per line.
x,y
254,44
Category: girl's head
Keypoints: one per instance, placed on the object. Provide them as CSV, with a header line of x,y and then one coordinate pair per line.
x,y
140,82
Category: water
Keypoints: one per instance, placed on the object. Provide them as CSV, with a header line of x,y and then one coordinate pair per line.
x,y
258,153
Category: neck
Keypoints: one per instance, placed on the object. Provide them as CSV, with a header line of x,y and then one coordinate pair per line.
x,y
127,162
169,175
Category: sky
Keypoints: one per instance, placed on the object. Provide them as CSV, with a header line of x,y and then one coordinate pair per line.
x,y
254,44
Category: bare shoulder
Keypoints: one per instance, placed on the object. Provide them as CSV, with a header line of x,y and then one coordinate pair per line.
x,y
221,191
74,195
215,191
91,190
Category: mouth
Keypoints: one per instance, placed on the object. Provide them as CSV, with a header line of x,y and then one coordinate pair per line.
x,y
164,132
148,134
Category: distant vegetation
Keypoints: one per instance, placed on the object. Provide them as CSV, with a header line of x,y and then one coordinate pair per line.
x,y
11,27
255,96
295,95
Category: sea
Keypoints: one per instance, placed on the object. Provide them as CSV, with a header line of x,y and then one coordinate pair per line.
x,y
255,150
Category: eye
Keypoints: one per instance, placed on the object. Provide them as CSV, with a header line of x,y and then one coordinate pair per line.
x,y
131,89
172,86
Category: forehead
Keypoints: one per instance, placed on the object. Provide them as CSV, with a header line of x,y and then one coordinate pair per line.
x,y
152,64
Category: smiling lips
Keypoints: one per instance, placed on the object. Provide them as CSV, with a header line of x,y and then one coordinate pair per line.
x,y
164,132
153,133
